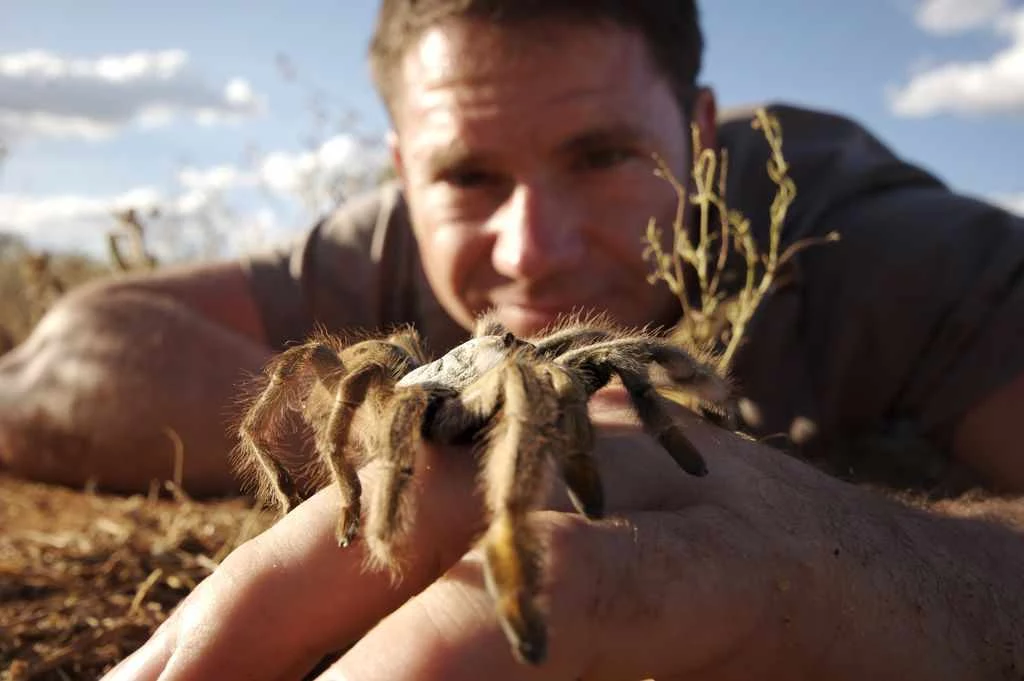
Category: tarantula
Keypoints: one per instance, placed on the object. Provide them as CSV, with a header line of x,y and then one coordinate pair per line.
x,y
522,402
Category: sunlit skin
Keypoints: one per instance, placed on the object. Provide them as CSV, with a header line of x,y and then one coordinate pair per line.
x,y
529,175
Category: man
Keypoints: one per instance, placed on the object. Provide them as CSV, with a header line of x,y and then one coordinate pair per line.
x,y
523,134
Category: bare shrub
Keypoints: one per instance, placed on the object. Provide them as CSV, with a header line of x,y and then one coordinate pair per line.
x,y
714,319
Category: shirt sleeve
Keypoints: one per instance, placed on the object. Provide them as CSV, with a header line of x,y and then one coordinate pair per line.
x,y
918,313
915,315
333,276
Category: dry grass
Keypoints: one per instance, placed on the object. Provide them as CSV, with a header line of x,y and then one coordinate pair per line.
x,y
715,320
31,281
86,578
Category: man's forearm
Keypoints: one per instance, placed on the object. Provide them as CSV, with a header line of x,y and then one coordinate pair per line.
x,y
861,586
110,387
925,592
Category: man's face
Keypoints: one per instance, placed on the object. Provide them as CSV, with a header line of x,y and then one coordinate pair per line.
x,y
526,159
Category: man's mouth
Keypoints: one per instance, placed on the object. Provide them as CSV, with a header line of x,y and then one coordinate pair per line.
x,y
528,317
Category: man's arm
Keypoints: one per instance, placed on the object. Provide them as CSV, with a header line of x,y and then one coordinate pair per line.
x,y
122,372
988,438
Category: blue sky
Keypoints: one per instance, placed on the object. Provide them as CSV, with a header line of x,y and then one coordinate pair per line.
x,y
185,105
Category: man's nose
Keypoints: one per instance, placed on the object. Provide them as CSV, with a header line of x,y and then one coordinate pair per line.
x,y
539,232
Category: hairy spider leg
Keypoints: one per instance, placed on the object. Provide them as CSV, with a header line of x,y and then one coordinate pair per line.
x,y
424,409
560,342
373,365
262,422
717,400
579,470
408,338
517,471
487,324
627,357
401,432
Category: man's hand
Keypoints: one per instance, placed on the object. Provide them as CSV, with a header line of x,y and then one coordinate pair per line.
x,y
763,568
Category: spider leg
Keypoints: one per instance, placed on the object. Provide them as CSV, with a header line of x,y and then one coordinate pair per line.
x,y
516,469
686,371
649,406
488,325
350,393
576,457
562,341
408,339
262,421
718,402
626,358
374,365
420,410
389,517
576,330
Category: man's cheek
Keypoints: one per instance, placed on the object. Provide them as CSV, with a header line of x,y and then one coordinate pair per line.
x,y
457,263
450,251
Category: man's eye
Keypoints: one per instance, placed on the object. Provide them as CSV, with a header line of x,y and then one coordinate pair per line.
x,y
468,178
598,159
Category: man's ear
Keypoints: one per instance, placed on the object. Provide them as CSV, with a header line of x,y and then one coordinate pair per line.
x,y
395,151
705,115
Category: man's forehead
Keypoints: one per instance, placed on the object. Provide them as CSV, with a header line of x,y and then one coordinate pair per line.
x,y
587,90
474,65
462,43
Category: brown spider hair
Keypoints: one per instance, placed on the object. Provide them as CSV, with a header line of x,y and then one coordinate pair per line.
x,y
670,28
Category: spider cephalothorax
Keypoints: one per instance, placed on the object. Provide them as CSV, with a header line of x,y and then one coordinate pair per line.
x,y
523,403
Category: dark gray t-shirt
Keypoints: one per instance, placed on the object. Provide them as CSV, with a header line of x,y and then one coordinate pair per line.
x,y
882,340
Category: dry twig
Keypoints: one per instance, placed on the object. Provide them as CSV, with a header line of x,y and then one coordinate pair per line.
x,y
713,319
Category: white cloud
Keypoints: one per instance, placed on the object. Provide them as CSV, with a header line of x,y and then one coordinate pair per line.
x,y
27,213
179,226
316,179
1011,202
214,211
51,95
340,159
216,178
952,16
989,87
70,221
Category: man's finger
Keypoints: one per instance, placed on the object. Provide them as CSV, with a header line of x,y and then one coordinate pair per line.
x,y
147,663
643,595
450,632
284,599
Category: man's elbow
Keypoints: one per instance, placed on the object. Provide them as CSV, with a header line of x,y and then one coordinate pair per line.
x,y
110,385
